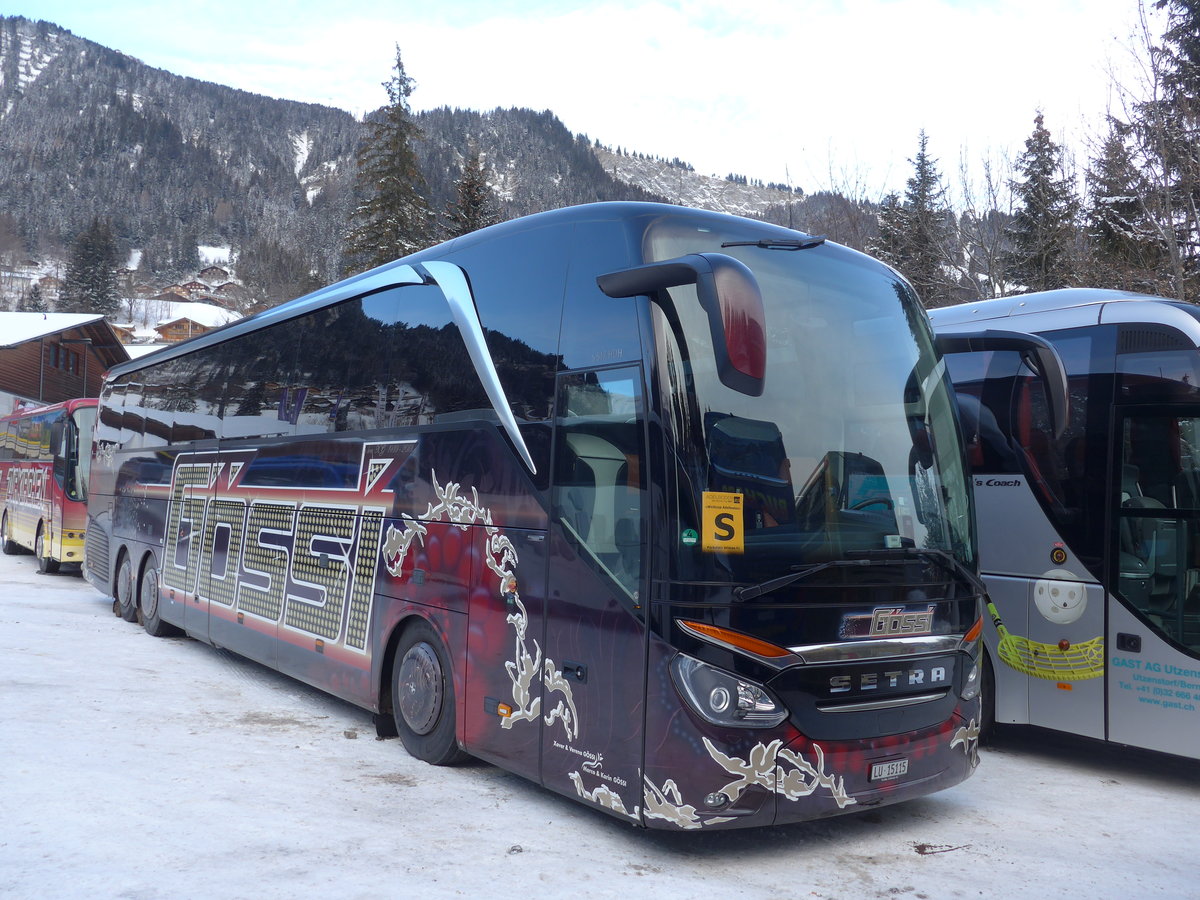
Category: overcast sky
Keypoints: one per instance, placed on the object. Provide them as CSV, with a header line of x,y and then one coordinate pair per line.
x,y
820,93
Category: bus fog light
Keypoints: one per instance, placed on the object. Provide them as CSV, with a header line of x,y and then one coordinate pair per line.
x,y
723,698
971,686
715,800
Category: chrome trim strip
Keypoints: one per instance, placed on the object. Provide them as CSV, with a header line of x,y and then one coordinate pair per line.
x,y
453,282
894,703
862,650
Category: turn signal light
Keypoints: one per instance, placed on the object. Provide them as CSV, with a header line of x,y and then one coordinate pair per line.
x,y
736,639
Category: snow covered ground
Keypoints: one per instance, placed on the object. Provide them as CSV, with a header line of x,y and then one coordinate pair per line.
x,y
137,767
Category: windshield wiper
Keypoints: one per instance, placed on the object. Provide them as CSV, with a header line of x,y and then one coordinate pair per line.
x,y
945,561
940,558
780,244
749,592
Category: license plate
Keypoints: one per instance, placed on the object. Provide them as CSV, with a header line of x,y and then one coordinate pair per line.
x,y
893,768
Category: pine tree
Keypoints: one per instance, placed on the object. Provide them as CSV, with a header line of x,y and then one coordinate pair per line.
x,y
1125,248
1165,129
91,282
1043,229
916,235
393,217
33,301
475,204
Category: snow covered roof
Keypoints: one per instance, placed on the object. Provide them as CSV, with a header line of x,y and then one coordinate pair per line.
x,y
205,314
19,327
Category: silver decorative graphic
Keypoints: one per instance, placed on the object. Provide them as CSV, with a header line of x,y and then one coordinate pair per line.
x,y
763,768
501,557
968,737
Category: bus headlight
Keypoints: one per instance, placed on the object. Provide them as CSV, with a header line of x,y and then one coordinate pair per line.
x,y
723,698
970,689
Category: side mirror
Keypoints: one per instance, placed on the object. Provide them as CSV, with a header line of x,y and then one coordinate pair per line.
x,y
728,293
1038,353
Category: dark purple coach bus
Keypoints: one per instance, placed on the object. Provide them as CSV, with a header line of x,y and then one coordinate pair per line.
x,y
662,509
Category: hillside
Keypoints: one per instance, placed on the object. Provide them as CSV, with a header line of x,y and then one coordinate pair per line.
x,y
174,163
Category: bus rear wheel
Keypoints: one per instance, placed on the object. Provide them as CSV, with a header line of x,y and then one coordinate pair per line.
x,y
46,565
125,604
423,697
148,604
10,547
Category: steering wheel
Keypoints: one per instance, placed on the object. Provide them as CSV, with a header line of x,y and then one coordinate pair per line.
x,y
885,502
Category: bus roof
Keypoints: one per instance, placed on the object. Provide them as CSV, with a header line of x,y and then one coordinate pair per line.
x,y
68,405
1026,304
1070,308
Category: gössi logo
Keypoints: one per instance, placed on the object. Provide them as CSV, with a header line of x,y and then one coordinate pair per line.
x,y
992,481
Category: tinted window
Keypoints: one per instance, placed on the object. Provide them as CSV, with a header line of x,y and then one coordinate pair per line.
x,y
599,471
256,401
521,312
1158,522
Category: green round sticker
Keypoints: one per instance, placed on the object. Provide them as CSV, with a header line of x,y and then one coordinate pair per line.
x,y
689,537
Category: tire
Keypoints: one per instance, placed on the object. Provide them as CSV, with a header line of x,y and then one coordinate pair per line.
x,y
148,604
9,546
125,596
987,697
46,565
423,697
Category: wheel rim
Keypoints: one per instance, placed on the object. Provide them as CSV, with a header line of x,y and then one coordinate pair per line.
x,y
150,594
420,688
124,582
39,545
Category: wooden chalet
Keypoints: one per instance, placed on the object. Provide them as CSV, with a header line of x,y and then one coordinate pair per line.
x,y
50,357
180,329
213,274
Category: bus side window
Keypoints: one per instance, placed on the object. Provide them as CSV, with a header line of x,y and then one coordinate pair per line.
x,y
598,471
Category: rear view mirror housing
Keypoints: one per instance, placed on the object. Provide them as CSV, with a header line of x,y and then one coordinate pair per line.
x,y
729,294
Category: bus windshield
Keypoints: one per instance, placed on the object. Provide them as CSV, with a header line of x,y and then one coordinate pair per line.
x,y
852,446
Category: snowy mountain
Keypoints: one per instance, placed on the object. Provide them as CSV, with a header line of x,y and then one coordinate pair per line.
x,y
175,163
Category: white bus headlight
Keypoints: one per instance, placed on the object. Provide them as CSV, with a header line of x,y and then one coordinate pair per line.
x,y
722,698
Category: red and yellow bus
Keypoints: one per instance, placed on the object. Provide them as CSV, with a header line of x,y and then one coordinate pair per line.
x,y
662,509
45,455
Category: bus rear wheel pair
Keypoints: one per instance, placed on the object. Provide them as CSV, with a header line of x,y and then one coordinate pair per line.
x,y
137,599
423,701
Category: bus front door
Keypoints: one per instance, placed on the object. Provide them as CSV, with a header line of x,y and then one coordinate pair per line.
x,y
594,686
1153,637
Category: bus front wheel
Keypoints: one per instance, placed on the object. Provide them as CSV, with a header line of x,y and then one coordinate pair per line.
x,y
9,546
126,602
987,708
46,565
423,696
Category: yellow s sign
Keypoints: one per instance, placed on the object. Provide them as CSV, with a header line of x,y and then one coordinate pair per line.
x,y
723,529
